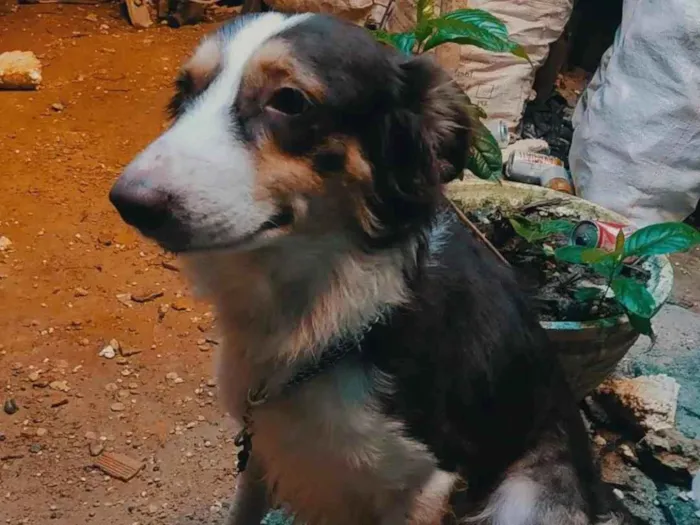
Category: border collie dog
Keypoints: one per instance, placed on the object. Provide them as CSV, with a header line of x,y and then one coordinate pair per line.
x,y
382,364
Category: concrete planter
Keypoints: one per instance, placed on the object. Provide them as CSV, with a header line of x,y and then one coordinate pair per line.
x,y
589,351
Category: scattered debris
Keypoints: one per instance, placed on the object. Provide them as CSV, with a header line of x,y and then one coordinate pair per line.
x,y
5,243
10,407
645,403
118,466
19,70
669,456
146,297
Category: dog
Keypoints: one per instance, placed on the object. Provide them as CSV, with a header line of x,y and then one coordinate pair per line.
x,y
383,365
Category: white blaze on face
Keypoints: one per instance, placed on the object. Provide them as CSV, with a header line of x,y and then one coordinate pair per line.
x,y
201,160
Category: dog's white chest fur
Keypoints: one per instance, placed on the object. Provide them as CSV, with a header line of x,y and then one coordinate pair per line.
x,y
331,455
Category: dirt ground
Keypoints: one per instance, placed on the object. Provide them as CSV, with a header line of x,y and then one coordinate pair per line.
x,y
75,278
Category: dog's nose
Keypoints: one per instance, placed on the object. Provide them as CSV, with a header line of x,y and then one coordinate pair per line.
x,y
141,206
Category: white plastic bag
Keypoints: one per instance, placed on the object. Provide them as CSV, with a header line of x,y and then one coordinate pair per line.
x,y
636,143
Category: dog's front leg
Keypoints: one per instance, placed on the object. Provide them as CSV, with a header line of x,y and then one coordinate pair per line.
x,y
250,502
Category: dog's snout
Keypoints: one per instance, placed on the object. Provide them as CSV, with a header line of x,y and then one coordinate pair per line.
x,y
144,207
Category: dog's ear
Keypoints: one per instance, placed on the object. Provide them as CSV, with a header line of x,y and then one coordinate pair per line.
x,y
421,142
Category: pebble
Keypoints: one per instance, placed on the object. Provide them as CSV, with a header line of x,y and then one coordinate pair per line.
x,y
5,243
92,17
619,494
117,407
57,106
81,292
108,352
35,448
41,432
178,380
600,441
211,383
122,360
90,435
171,376
33,376
96,449
10,407
61,386
111,387
115,344
123,394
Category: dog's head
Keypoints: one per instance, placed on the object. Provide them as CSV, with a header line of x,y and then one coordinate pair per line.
x,y
297,125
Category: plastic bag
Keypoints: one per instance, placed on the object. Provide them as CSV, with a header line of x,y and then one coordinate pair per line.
x,y
636,143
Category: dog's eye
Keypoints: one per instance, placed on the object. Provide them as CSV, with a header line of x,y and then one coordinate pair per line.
x,y
289,101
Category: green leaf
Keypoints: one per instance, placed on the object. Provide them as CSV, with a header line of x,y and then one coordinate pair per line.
x,y
557,226
608,267
485,157
641,324
587,294
595,255
660,239
634,296
570,254
620,243
481,18
527,229
404,42
477,31
424,10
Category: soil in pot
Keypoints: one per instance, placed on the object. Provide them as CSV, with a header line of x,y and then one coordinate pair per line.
x,y
550,284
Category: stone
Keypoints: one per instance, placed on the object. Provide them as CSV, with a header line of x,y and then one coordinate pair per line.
x,y
125,299
111,387
670,457
10,407
57,107
34,376
89,435
92,17
108,352
5,243
146,297
35,448
61,386
41,432
19,70
171,376
117,407
128,352
96,448
80,292
641,404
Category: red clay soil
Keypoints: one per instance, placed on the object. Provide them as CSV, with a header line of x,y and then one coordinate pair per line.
x,y
71,261
66,282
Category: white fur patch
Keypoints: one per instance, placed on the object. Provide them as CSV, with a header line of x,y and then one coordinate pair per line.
x,y
199,160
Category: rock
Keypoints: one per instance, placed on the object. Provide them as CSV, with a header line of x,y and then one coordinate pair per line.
x,y
696,488
10,407
125,299
92,17
19,70
81,292
128,352
122,360
58,107
619,494
171,376
211,382
5,243
162,310
117,407
111,387
627,453
90,435
61,386
34,376
171,265
640,404
146,297
41,432
670,457
108,352
96,449
35,448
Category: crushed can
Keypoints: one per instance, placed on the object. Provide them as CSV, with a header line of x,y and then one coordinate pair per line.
x,y
542,170
599,234
499,130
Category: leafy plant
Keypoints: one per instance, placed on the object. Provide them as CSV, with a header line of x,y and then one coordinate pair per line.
x,y
537,231
474,27
632,296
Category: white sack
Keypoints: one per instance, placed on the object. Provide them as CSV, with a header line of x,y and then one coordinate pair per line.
x,y
636,144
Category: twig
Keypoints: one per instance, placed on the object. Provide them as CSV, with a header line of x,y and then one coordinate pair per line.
x,y
469,224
